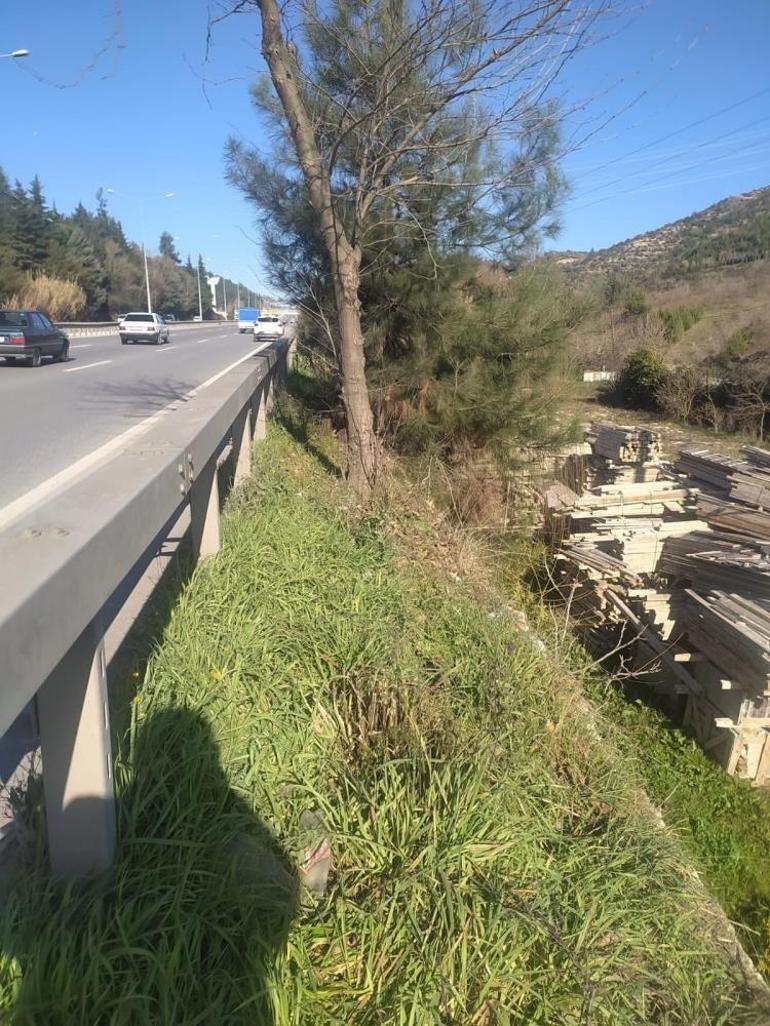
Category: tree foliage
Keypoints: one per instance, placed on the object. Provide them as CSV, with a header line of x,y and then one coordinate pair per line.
x,y
482,376
421,137
677,320
167,248
82,265
642,376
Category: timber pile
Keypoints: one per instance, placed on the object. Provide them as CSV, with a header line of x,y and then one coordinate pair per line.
x,y
757,457
720,564
733,633
683,564
735,518
623,444
586,576
709,468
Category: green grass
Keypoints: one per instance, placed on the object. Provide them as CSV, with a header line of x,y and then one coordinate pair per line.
x,y
493,860
722,821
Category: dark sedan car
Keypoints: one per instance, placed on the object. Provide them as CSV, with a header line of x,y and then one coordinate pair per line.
x,y
29,335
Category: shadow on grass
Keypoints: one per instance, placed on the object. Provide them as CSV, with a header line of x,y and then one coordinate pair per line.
x,y
307,399
189,925
128,664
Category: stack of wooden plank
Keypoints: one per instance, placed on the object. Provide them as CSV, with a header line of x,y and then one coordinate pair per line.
x,y
710,468
624,444
735,518
638,541
708,561
684,564
751,489
626,473
757,457
585,577
734,633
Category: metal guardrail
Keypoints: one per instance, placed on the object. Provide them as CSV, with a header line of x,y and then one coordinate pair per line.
x,y
63,563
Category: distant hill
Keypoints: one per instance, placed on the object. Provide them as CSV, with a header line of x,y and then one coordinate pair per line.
x,y
735,231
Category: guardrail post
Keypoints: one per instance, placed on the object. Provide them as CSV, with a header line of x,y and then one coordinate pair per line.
x,y
260,414
242,438
204,512
74,721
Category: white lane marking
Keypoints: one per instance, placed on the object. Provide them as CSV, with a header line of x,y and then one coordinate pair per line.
x,y
201,341
99,363
83,345
165,349
88,462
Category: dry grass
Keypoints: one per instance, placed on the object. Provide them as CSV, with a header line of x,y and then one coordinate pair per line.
x,y
60,300
731,299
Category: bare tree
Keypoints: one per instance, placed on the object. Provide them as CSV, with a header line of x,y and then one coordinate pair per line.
x,y
386,100
751,402
679,392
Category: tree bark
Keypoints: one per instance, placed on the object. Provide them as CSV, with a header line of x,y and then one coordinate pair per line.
x,y
345,259
361,441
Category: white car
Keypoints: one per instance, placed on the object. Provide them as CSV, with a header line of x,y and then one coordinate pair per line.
x,y
143,327
268,326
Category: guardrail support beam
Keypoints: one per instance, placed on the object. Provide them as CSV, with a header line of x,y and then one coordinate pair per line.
x,y
242,438
204,512
74,721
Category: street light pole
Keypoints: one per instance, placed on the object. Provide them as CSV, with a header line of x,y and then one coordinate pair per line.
x,y
140,200
200,300
15,54
224,290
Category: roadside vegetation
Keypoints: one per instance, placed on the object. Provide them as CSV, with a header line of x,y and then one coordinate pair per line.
x,y
494,856
82,266
721,821
415,160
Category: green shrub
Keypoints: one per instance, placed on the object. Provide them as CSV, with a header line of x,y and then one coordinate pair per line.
x,y
642,377
637,305
739,343
679,319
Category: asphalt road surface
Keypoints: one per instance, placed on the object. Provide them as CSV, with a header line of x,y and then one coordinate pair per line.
x,y
56,417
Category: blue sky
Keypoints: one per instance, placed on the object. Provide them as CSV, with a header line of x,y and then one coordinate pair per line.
x,y
665,66
142,123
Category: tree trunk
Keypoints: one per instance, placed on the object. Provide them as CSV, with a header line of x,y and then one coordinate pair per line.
x,y
361,441
345,259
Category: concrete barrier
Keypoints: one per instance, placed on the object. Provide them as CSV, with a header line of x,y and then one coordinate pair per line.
x,y
83,329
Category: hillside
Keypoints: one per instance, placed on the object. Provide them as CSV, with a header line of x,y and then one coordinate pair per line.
x,y
735,231
712,265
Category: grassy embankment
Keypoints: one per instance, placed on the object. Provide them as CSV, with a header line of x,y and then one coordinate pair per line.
x,y
723,822
495,857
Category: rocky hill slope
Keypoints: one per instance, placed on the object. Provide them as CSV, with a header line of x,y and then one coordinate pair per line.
x,y
735,231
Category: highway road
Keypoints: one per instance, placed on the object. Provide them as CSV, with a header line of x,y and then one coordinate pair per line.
x,y
59,419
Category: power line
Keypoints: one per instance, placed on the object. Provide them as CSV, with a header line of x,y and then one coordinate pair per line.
x,y
662,163
666,185
685,128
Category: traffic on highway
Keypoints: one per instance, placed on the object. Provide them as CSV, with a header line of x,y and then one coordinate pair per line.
x,y
67,410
